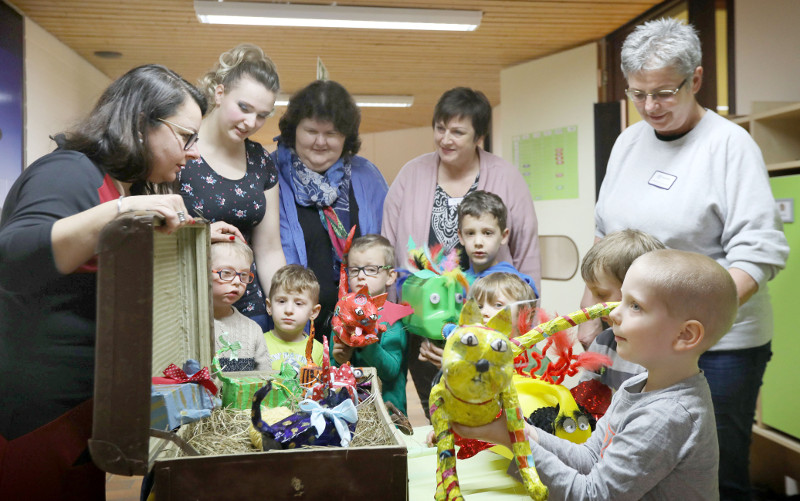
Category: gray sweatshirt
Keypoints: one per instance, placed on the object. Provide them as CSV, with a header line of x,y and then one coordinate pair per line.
x,y
706,192
654,445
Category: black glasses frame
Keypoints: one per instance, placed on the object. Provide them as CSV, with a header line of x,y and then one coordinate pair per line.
x,y
244,277
193,136
353,271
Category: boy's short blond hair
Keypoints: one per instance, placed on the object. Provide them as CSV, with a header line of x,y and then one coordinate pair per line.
x,y
295,279
234,247
696,287
370,241
479,203
508,284
616,252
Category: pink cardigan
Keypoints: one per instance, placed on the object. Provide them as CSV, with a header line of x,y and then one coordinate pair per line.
x,y
409,203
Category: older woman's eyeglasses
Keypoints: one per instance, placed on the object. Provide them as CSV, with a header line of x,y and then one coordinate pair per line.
x,y
370,270
189,136
227,275
640,96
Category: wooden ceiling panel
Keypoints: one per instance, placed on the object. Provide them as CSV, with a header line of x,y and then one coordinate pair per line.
x,y
422,64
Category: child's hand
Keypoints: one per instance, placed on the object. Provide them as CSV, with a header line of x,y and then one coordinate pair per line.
x,y
430,440
431,353
342,353
495,432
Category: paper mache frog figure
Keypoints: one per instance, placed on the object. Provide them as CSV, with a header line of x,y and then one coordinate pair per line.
x,y
474,386
435,291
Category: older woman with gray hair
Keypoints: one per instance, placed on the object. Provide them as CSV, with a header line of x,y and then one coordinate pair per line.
x,y
697,182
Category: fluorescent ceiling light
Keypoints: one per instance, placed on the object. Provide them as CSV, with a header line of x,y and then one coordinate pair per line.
x,y
365,101
334,16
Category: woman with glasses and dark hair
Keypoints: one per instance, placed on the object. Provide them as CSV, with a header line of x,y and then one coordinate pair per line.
x,y
133,144
423,201
325,187
697,182
235,180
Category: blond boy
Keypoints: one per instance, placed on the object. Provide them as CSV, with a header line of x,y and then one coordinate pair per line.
x,y
658,439
293,302
239,341
603,270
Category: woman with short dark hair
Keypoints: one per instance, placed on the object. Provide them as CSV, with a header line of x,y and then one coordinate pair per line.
x,y
325,187
423,201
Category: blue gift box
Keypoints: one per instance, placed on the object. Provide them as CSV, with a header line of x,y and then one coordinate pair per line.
x,y
172,405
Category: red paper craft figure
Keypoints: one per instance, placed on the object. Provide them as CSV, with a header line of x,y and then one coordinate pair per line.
x,y
332,378
355,318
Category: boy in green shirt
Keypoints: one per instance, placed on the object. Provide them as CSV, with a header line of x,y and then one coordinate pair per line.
x,y
370,262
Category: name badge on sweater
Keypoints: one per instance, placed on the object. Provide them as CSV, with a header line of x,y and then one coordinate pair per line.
x,y
662,180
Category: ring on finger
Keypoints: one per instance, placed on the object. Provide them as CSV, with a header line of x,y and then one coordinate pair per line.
x,y
181,216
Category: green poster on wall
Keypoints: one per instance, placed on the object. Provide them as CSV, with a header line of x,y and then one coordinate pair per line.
x,y
548,161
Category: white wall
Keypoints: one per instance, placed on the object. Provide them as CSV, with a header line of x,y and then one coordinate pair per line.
x,y
60,88
766,44
390,151
547,93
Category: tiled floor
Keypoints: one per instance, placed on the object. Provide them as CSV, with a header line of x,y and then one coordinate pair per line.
x,y
119,488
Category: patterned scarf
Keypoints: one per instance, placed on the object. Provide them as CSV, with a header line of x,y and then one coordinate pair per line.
x,y
328,192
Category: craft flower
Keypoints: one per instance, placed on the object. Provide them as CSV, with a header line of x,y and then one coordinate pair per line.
x,y
226,346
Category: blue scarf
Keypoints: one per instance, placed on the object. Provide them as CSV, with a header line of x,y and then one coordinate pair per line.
x,y
330,190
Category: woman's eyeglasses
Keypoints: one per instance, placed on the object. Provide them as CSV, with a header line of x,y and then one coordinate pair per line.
x,y
640,96
370,270
190,137
227,275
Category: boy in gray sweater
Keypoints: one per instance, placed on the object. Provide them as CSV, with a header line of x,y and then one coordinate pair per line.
x,y
658,439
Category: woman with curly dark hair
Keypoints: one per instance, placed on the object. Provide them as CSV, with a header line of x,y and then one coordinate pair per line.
x,y
325,188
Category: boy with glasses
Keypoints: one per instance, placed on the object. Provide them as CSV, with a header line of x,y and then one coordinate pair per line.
x,y
239,341
370,263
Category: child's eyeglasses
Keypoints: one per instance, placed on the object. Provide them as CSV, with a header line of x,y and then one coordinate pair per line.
x,y
227,275
370,270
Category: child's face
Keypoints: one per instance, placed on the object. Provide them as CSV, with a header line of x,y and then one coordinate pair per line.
x,y
606,289
227,293
357,279
492,304
482,239
291,310
643,328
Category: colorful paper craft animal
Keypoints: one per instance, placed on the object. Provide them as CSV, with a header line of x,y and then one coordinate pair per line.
x,y
355,317
476,384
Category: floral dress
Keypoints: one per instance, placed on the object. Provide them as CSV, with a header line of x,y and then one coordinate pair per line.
x,y
239,202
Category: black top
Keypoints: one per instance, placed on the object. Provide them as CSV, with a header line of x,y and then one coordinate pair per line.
x,y
240,202
319,252
47,319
